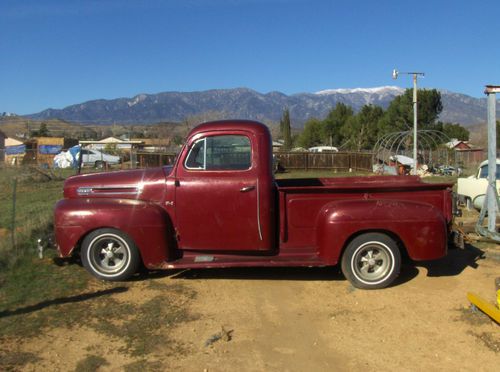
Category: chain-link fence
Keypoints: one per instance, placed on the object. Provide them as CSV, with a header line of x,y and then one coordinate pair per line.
x,y
27,198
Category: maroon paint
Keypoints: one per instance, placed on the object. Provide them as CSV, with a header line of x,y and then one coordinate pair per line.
x,y
174,214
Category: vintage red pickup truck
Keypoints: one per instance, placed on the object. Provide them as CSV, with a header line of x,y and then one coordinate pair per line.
x,y
219,205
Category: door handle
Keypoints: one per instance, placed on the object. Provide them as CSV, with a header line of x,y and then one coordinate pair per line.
x,y
247,188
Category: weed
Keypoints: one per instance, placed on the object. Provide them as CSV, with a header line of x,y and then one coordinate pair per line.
x,y
14,360
141,327
90,363
490,340
473,316
144,365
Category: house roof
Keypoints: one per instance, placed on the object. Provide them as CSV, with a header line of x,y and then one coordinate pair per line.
x,y
110,140
456,143
12,142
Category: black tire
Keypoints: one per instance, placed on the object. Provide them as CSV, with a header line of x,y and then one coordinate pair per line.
x,y
371,261
110,254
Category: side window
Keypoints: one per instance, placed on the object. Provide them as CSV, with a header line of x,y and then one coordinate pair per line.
x,y
484,172
227,152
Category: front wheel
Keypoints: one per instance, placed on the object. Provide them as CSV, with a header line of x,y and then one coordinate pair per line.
x,y
109,254
371,261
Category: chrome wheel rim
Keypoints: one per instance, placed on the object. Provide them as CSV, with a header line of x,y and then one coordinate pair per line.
x,y
109,254
372,262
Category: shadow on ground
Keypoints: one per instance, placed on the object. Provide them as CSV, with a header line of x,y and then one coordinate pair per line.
x,y
62,300
455,262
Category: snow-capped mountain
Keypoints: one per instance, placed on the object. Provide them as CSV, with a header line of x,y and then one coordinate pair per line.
x,y
245,103
368,91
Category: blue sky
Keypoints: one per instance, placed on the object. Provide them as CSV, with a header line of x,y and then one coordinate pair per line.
x,y
58,53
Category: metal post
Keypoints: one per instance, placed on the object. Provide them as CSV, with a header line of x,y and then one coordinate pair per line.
x,y
492,156
13,221
395,74
415,131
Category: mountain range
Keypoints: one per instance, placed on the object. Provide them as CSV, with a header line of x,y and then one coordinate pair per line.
x,y
244,103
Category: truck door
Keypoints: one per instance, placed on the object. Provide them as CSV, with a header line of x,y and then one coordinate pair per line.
x,y
217,196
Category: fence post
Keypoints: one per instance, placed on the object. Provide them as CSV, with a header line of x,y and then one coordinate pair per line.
x,y
13,224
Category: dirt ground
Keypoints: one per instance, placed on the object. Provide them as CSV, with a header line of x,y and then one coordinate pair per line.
x,y
307,319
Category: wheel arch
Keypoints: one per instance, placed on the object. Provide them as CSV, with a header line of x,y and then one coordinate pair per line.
x,y
147,225
394,236
419,229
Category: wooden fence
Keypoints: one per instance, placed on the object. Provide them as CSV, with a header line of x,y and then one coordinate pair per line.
x,y
339,161
154,159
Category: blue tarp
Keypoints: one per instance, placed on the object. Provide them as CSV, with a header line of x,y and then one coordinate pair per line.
x,y
75,153
49,149
15,150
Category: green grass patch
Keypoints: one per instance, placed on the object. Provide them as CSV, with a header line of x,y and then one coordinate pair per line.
x,y
36,295
34,292
27,201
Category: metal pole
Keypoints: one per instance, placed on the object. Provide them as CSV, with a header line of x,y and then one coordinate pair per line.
x,y
415,124
492,156
13,221
395,74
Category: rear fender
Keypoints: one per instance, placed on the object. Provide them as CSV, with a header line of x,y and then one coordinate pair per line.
x,y
420,227
148,225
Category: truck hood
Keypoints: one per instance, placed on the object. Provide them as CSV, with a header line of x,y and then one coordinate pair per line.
x,y
140,184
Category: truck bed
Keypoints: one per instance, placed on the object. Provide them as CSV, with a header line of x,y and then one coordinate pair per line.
x,y
388,202
373,183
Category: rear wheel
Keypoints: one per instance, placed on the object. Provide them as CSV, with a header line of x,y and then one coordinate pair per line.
x,y
371,261
109,254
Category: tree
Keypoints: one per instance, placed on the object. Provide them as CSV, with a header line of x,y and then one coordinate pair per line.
x,y
285,130
312,133
361,130
399,114
455,131
42,131
334,122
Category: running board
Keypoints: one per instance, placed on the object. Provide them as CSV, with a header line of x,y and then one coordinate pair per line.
x,y
199,260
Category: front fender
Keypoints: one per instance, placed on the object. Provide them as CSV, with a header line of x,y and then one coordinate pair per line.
x,y
421,227
147,224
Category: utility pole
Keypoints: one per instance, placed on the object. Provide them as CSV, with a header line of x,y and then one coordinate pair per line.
x,y
395,74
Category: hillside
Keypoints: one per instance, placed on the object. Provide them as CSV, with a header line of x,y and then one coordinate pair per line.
x,y
245,103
